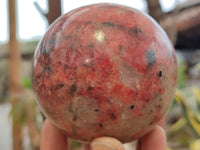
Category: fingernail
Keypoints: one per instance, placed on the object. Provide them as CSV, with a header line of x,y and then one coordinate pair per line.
x,y
106,143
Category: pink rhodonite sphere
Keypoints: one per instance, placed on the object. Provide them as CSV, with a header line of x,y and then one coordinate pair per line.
x,y
105,70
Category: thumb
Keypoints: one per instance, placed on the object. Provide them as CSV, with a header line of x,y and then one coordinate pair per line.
x,y
106,143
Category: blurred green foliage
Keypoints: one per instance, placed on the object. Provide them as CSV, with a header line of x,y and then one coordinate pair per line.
x,y
25,115
27,83
183,128
181,80
24,106
75,144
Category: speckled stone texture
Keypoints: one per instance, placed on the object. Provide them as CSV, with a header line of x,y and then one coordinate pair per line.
x,y
105,70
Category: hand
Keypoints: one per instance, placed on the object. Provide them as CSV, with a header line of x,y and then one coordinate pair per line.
x,y
53,138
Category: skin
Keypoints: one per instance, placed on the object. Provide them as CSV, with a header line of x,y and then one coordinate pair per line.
x,y
53,138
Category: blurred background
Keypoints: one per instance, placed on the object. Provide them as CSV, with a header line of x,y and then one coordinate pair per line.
x,y
24,22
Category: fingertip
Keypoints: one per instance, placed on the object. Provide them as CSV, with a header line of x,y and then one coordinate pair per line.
x,y
53,138
154,140
106,143
47,125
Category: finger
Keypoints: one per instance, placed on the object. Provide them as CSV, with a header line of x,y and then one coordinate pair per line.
x,y
86,147
155,140
106,143
162,121
53,138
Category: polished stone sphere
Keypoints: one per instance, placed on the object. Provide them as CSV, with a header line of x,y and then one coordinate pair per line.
x,y
105,70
